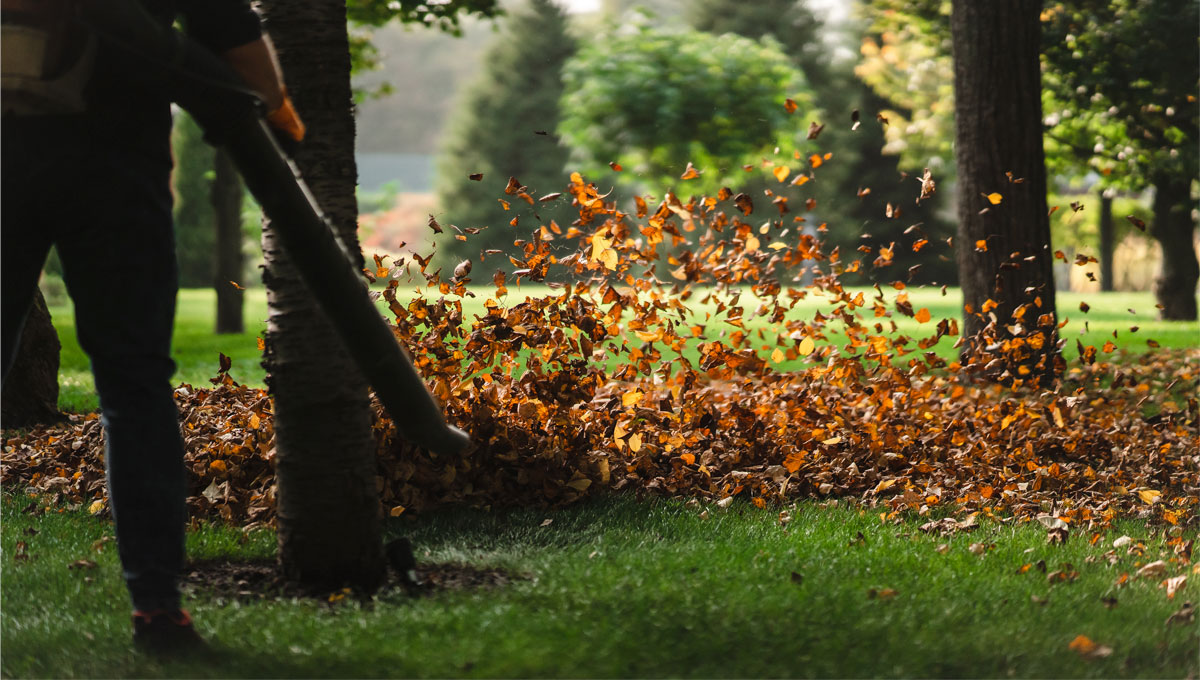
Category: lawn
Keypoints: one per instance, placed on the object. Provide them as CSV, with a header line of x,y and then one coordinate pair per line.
x,y
196,346
620,587
623,588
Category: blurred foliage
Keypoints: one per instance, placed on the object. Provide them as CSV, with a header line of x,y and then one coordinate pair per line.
x,y
363,15
1120,87
195,220
504,127
906,59
443,15
655,100
855,190
1117,97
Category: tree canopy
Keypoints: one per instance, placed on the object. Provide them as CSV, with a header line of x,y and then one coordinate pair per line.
x,y
655,100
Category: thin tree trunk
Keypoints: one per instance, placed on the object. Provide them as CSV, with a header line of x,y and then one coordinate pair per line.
x,y
1175,287
30,393
1004,253
227,209
329,522
1107,242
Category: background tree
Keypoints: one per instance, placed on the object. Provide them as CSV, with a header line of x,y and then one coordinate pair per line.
x,y
191,183
1004,256
504,126
1129,98
227,195
655,100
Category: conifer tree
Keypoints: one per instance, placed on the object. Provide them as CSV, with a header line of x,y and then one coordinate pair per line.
x,y
504,127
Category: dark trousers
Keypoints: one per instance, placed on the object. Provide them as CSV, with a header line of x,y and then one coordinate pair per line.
x,y
106,205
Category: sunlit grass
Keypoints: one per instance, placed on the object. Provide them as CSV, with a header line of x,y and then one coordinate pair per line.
x,y
621,588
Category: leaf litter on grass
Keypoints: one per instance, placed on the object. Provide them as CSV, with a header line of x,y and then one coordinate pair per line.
x,y
618,380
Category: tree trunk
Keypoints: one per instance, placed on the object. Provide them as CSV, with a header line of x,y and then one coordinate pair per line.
x,y
1004,256
1107,242
227,209
30,393
329,522
1175,287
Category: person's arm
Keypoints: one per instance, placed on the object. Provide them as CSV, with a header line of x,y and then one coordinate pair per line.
x,y
255,62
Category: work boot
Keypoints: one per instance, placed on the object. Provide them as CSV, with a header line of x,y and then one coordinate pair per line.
x,y
166,632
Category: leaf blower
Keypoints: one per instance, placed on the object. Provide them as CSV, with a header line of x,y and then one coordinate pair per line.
x,y
232,116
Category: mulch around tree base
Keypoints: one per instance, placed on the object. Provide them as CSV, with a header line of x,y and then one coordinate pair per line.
x,y
256,580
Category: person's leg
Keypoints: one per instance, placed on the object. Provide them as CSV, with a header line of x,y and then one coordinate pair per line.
x,y
119,267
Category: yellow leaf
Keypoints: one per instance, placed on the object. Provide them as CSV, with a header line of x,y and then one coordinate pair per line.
x,y
218,465
609,259
254,421
800,180
832,440
580,484
1058,417
994,198
1150,496
632,397
807,346
397,511
778,245
751,244
885,484
96,507
777,356
635,442
781,172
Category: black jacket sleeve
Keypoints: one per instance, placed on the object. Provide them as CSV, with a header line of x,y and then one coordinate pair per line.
x,y
220,25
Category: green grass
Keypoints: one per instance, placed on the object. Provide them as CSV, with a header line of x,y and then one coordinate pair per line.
x,y
621,588
196,346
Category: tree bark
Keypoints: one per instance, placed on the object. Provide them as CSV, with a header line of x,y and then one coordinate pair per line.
x,y
329,522
227,209
30,393
1107,242
1175,287
1004,255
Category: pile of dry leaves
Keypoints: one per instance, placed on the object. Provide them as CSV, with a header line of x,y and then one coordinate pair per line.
x,y
613,381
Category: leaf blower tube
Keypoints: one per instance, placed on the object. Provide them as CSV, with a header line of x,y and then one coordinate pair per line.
x,y
230,114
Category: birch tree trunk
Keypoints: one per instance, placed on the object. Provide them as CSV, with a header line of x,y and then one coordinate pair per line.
x,y
328,508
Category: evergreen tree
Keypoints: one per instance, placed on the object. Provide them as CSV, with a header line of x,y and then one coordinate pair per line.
x,y
856,217
504,127
195,236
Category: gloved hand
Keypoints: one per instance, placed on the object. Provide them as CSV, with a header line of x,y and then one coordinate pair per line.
x,y
285,122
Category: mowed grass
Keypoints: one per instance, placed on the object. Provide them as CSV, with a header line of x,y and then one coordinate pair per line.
x,y
623,588
196,347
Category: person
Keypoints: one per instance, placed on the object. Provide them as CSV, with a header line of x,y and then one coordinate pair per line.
x,y
95,184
